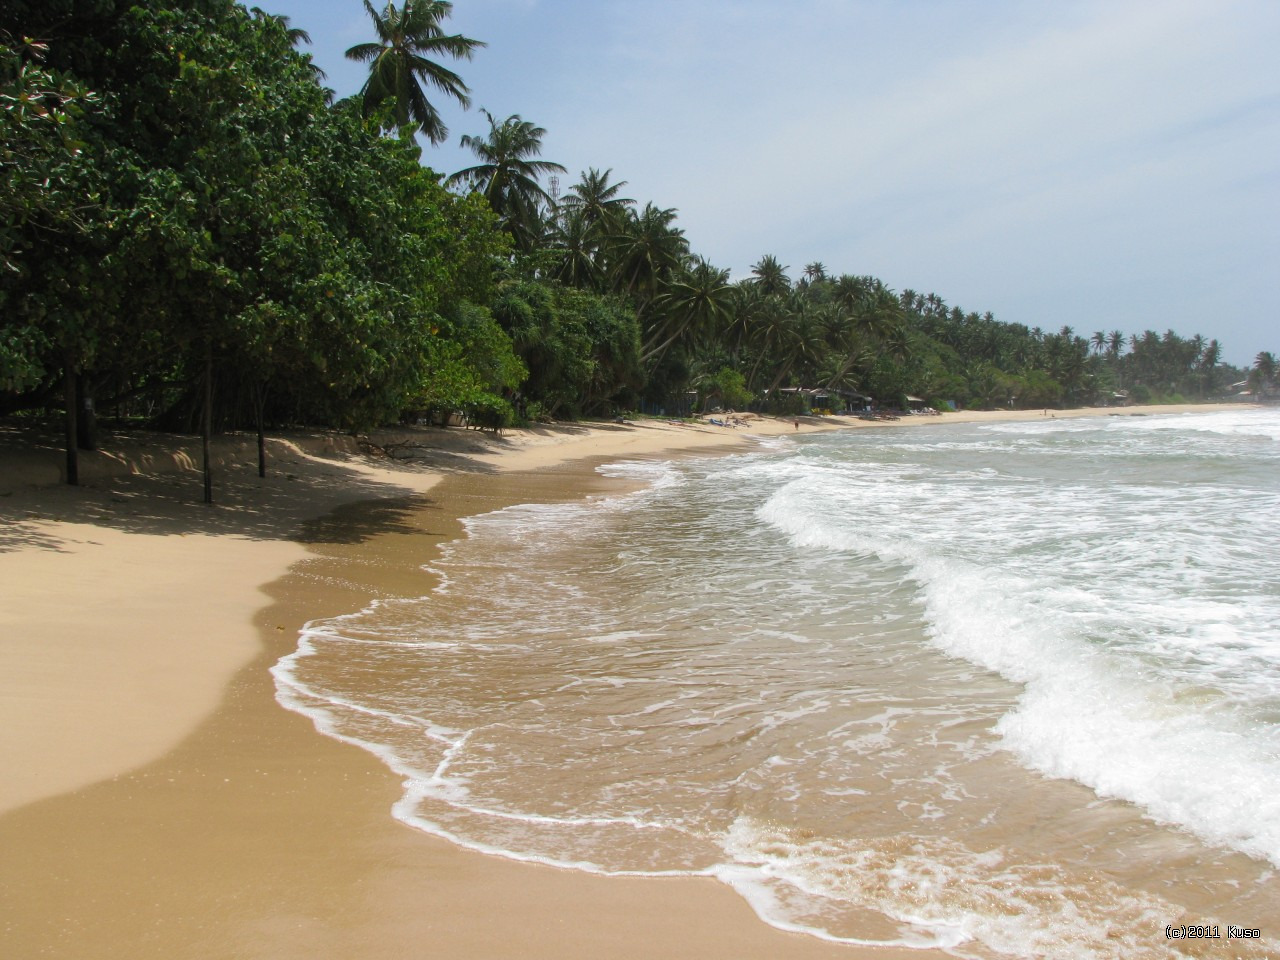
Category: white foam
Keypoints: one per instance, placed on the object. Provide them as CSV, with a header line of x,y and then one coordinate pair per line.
x,y
1037,584
684,747
943,895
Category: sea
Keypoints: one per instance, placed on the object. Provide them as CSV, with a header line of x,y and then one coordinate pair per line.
x,y
1007,689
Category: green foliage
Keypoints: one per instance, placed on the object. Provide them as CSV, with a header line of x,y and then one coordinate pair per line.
x,y
507,176
236,215
785,405
730,388
490,413
581,349
401,60
47,190
177,191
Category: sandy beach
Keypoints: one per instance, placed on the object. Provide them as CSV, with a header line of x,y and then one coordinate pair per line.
x,y
156,801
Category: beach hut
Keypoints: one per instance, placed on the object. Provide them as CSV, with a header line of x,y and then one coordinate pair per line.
x,y
855,402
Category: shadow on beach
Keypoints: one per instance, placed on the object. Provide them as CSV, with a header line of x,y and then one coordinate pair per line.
x,y
168,502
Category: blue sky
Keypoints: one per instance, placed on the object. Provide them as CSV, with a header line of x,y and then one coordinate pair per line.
x,y
1103,165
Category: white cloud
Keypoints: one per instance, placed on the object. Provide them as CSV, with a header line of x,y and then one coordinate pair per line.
x,y
1046,161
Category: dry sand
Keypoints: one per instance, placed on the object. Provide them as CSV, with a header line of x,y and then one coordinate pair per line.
x,y
157,802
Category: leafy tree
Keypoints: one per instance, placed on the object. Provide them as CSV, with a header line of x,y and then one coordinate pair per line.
x,y
729,387
47,186
245,237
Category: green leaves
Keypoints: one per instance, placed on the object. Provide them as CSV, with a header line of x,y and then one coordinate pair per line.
x,y
508,176
401,61
231,207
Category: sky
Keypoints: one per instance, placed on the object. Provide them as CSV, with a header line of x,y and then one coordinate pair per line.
x,y
1101,165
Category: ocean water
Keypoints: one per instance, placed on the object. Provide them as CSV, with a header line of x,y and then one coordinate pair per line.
x,y
1011,690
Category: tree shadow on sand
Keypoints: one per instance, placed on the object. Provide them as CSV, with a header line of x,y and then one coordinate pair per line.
x,y
280,507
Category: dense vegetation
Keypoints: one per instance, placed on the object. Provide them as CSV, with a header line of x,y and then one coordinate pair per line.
x,y
194,233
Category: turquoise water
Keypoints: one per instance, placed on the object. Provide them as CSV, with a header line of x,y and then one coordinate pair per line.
x,y
1008,689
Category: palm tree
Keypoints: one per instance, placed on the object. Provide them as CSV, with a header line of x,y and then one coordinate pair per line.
x,y
852,292
508,174
815,272
1115,343
577,248
295,35
770,275
647,250
597,200
797,338
1209,361
698,301
399,63
1263,375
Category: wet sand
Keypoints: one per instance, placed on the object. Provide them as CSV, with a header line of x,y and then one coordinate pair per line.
x,y
160,803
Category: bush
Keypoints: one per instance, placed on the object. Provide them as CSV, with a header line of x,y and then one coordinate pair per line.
x,y
785,405
488,412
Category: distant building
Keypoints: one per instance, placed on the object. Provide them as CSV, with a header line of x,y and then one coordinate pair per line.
x,y
822,398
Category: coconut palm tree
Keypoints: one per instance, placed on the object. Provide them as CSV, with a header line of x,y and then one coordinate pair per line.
x,y
1209,361
577,248
597,200
1115,343
507,175
699,300
646,251
1263,376
770,275
797,338
400,62
851,292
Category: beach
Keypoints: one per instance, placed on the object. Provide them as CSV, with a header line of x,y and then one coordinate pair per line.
x,y
157,800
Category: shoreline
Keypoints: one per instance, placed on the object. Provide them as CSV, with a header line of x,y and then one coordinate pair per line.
x,y
103,624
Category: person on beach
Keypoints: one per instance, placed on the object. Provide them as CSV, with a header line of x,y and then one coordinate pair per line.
x,y
797,424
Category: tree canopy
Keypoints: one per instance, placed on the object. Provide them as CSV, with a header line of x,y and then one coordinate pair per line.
x,y
193,233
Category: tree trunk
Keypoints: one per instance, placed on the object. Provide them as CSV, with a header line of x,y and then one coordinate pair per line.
x,y
782,375
206,422
73,454
86,417
259,403
655,353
